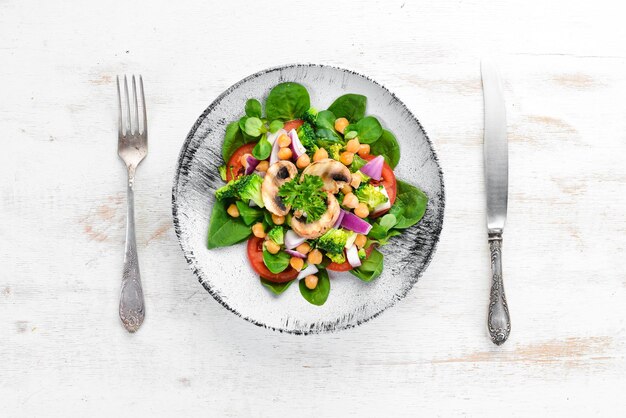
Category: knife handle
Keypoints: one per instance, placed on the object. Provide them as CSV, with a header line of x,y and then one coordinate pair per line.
x,y
498,320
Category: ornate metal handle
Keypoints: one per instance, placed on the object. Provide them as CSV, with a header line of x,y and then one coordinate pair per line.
x,y
132,309
498,321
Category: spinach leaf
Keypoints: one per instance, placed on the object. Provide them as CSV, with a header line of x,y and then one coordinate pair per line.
x,y
319,295
349,106
368,129
276,262
382,226
233,139
253,127
326,120
276,126
248,214
253,108
327,136
224,230
287,101
388,147
222,170
371,267
262,149
276,288
410,205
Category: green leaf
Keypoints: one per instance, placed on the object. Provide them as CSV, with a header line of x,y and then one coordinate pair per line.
x,y
287,101
233,139
325,119
349,106
253,108
276,126
382,226
388,147
248,214
253,126
319,295
262,149
225,230
327,137
370,268
276,288
276,262
350,135
368,129
410,205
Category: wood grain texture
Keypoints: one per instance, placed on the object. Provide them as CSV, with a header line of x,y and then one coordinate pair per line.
x,y
63,350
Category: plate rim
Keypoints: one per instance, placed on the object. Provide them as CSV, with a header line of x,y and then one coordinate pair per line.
x,y
191,260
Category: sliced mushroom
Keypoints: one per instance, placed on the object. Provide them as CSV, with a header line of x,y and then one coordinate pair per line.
x,y
317,228
277,174
334,174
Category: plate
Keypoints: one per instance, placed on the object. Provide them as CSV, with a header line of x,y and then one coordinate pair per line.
x,y
225,272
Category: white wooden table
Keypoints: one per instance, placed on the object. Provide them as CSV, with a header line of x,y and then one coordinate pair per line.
x,y
63,351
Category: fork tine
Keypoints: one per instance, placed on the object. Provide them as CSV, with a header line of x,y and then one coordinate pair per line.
x,y
136,119
143,107
128,126
119,108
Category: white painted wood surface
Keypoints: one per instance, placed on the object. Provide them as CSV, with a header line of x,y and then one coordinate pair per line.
x,y
62,349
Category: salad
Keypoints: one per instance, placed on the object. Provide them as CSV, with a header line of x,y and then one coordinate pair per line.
x,y
311,191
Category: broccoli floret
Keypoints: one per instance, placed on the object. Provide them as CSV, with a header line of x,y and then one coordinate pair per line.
x,y
222,170
310,116
336,257
372,196
334,151
277,235
362,254
333,241
244,188
306,133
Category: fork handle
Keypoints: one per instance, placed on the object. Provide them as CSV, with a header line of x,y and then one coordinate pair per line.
x,y
132,309
498,320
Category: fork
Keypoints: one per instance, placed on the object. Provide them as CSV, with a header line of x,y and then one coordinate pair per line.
x,y
132,147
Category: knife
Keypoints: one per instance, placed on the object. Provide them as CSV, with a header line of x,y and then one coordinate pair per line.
x,y
496,161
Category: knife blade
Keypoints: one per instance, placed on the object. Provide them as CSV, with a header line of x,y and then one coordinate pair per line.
x,y
496,161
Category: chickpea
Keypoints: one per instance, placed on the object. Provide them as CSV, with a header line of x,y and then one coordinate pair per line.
x,y
277,219
258,230
364,149
320,154
263,166
361,210
353,145
284,141
233,211
272,247
355,182
303,161
346,158
340,124
310,281
346,189
303,248
360,240
315,257
285,153
296,263
351,201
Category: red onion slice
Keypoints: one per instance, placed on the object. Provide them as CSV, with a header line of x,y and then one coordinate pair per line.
x,y
374,168
295,253
354,223
310,269
352,254
292,240
296,146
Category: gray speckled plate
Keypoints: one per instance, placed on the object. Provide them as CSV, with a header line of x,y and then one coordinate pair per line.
x,y
225,272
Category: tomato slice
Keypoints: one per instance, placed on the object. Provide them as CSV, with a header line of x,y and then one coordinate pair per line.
x,y
293,124
234,168
345,266
255,256
388,180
